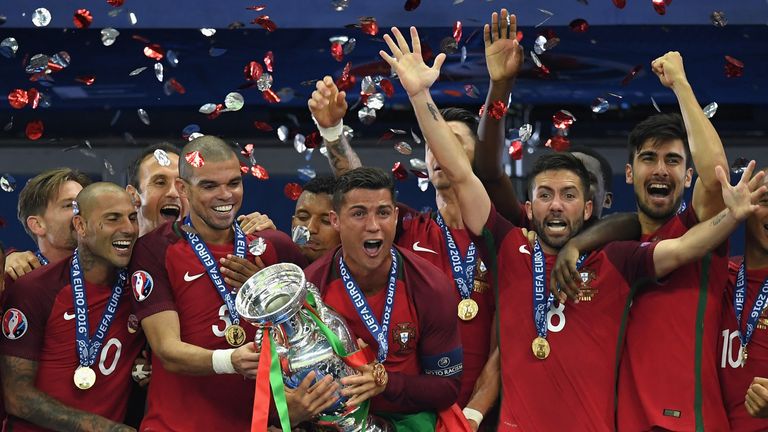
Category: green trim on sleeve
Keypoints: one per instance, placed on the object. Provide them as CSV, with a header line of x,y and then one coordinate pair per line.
x,y
701,310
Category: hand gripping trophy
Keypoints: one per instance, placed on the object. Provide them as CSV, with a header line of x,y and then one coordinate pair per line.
x,y
298,334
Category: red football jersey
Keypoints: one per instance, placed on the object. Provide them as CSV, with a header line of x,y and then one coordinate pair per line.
x,y
39,325
174,279
424,358
418,232
657,379
734,379
578,377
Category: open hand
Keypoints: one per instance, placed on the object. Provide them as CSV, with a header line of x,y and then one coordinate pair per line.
x,y
503,53
308,400
327,104
415,76
740,198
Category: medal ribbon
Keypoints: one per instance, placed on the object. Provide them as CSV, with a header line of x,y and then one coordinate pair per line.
x,y
87,348
463,270
740,293
40,257
542,302
207,260
380,332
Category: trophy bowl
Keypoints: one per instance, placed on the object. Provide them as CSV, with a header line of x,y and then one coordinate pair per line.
x,y
273,295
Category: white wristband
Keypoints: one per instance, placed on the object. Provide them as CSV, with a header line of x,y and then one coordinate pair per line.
x,y
332,133
222,361
473,414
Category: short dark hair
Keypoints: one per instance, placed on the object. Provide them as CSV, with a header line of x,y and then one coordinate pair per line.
x,y
559,161
362,178
321,185
605,166
658,129
211,148
41,189
463,116
133,167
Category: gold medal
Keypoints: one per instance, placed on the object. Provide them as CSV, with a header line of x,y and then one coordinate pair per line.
x,y
743,355
235,335
468,309
84,377
540,348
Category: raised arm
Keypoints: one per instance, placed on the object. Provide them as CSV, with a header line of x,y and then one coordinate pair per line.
x,y
705,236
503,57
25,401
164,336
706,148
416,78
328,106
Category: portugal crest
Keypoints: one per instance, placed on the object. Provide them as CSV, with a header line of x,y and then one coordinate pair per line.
x,y
587,291
404,336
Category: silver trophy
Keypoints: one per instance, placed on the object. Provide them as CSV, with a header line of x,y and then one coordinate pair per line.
x,y
275,297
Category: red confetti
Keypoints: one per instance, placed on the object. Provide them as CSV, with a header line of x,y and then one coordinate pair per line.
x,y
154,51
419,174
257,8
558,143
82,18
399,171
313,140
195,159
265,22
34,97
253,71
620,3
337,51
387,87
387,135
497,111
346,81
18,98
369,26
733,68
516,150
269,60
35,129
115,3
247,150
244,168
519,36
176,86
631,75
454,93
543,70
579,25
259,172
2,223
292,191
216,112
263,126
457,29
270,96
140,38
411,4
563,119
659,6
86,79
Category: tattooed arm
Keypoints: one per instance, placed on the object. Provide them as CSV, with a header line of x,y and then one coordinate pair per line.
x,y
328,107
24,400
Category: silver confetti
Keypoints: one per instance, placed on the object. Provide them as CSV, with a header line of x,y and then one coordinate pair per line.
x,y
208,32
207,108
739,165
710,110
132,18
349,46
137,71
8,183
234,101
8,47
548,14
109,36
143,116
423,183
599,105
535,59
159,71
718,19
257,246
162,158
366,115
61,59
41,17
655,105
38,63
300,235
109,167
299,143
282,133
367,85
172,58
418,164
265,81
403,148
375,101
525,132
416,137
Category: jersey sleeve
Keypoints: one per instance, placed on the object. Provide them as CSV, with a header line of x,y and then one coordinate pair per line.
x,y
440,351
285,249
633,260
28,305
149,283
489,241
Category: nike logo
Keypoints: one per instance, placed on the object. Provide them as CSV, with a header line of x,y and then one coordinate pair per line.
x,y
68,316
189,278
523,250
418,248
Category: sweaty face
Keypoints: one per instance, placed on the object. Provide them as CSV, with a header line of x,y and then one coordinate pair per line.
x,y
215,193
596,182
467,139
111,228
558,208
659,177
160,200
312,211
366,224
58,217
